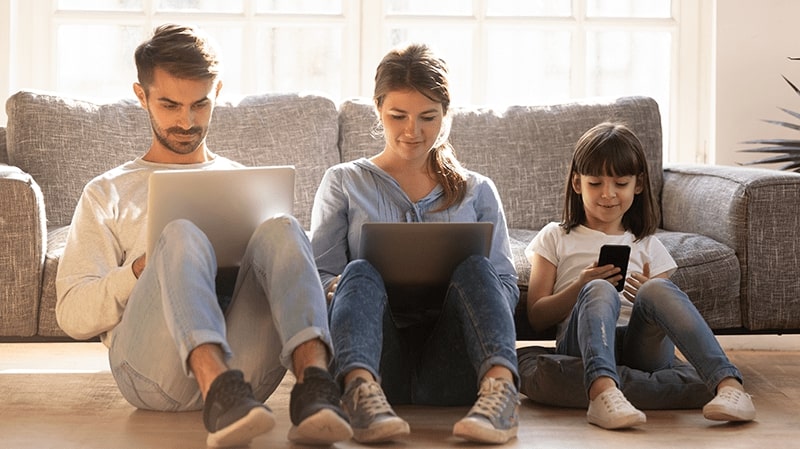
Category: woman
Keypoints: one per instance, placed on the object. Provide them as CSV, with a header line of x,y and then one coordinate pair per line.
x,y
439,357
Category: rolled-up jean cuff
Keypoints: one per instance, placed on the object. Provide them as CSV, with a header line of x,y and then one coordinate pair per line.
x,y
307,334
200,337
498,361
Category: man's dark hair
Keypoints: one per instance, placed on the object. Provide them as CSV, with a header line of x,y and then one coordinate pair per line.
x,y
182,51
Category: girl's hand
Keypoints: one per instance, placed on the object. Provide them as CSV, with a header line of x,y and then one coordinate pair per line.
x,y
592,272
635,282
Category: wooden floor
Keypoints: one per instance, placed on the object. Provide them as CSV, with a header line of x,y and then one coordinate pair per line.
x,y
61,395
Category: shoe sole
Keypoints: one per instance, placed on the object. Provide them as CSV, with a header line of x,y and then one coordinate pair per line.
x,y
622,423
721,415
322,428
385,431
259,420
475,432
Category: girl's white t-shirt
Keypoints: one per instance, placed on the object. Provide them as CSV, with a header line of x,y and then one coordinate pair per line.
x,y
572,252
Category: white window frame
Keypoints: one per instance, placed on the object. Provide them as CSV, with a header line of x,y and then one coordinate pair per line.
x,y
27,59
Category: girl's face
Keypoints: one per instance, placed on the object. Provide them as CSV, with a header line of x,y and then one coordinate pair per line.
x,y
606,199
411,123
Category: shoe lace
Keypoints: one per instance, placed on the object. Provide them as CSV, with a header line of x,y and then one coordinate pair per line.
x,y
493,397
731,395
615,401
370,399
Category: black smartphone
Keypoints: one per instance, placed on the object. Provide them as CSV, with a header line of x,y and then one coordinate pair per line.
x,y
616,255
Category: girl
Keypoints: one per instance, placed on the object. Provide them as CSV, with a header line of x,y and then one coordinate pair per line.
x,y
465,349
608,201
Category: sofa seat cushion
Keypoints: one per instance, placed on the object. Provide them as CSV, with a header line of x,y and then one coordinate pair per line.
x,y
708,271
553,379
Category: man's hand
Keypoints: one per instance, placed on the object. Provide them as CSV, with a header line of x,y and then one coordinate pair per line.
x,y
138,265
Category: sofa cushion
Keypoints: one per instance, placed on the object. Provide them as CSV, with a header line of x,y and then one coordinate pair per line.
x,y
525,150
708,271
65,142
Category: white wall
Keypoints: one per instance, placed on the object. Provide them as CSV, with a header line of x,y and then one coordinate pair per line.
x,y
753,41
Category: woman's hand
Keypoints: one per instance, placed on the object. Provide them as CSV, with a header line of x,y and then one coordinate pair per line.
x,y
635,282
332,289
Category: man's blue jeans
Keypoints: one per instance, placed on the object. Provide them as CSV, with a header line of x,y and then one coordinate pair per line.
x,y
663,317
473,332
277,304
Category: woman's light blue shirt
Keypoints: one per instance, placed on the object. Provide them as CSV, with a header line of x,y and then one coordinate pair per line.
x,y
356,192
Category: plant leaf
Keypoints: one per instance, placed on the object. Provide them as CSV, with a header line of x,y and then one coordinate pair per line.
x,y
786,150
796,90
780,142
792,113
793,126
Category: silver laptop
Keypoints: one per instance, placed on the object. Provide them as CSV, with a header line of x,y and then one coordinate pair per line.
x,y
227,204
422,254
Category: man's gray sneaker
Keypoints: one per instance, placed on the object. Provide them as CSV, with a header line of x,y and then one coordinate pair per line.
x,y
494,417
371,416
232,416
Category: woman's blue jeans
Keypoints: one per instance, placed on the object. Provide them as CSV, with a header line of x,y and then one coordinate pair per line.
x,y
473,332
277,304
663,317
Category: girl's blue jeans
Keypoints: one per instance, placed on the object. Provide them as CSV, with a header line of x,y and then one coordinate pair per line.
x,y
277,304
473,332
663,317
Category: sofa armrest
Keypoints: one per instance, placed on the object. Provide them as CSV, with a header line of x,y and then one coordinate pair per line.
x,y
754,211
23,239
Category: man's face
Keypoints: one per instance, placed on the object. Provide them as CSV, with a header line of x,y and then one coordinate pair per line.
x,y
180,111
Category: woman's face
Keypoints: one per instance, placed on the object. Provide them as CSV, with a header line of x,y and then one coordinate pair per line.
x,y
411,123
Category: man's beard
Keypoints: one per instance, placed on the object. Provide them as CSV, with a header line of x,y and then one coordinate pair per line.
x,y
182,147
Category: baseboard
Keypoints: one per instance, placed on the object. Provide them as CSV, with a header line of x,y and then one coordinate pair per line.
x,y
760,342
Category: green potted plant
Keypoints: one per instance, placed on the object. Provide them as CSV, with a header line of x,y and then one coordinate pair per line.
x,y
785,151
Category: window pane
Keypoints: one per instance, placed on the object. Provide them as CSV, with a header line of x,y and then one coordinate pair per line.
x,y
631,63
299,6
428,7
528,66
228,40
100,5
454,45
299,59
106,49
628,63
200,5
538,8
629,8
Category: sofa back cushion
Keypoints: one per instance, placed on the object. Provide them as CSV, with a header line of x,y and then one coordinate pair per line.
x,y
526,150
65,142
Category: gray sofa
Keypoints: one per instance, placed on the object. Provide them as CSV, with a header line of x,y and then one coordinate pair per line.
x,y
733,231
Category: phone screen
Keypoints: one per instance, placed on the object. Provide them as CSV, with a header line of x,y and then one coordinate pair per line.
x,y
616,255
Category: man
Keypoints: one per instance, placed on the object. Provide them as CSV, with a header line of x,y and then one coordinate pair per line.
x,y
171,345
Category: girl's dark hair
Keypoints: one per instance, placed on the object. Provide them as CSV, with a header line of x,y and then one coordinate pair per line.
x,y
415,67
612,149
181,50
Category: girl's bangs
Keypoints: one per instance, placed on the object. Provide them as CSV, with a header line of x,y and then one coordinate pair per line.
x,y
611,158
